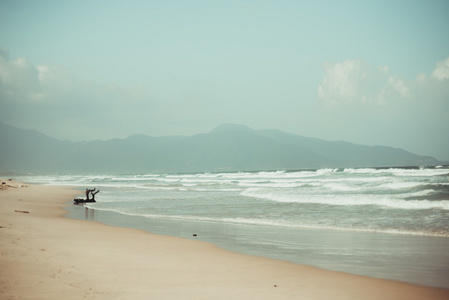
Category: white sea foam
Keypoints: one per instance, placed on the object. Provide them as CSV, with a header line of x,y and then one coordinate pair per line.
x,y
387,201
217,190
272,184
419,173
400,185
363,171
342,187
400,172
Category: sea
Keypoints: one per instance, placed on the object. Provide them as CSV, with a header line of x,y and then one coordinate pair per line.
x,y
390,223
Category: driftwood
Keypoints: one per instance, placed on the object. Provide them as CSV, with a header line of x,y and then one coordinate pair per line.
x,y
80,200
88,199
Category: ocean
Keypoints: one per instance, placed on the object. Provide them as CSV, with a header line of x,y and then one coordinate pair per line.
x,y
388,223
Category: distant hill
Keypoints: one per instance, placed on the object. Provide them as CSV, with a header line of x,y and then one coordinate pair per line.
x,y
228,147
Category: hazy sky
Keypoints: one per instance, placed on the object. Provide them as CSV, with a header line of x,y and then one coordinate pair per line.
x,y
368,72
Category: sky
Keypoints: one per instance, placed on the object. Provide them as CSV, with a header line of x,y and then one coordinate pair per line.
x,y
366,72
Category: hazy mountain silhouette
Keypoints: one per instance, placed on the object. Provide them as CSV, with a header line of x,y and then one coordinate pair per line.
x,y
228,147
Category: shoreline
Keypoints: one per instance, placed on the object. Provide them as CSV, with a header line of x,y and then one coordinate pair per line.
x,y
45,255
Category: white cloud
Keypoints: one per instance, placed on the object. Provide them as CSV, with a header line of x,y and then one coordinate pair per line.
x,y
19,80
354,81
4,54
399,85
441,72
384,69
340,82
56,98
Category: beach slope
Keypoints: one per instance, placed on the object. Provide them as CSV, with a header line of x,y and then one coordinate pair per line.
x,y
46,256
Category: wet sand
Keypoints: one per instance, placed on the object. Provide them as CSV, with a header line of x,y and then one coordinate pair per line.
x,y
44,255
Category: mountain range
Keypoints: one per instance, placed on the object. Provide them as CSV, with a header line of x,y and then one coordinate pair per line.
x,y
228,147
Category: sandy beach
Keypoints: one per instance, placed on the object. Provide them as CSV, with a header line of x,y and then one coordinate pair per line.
x,y
44,255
